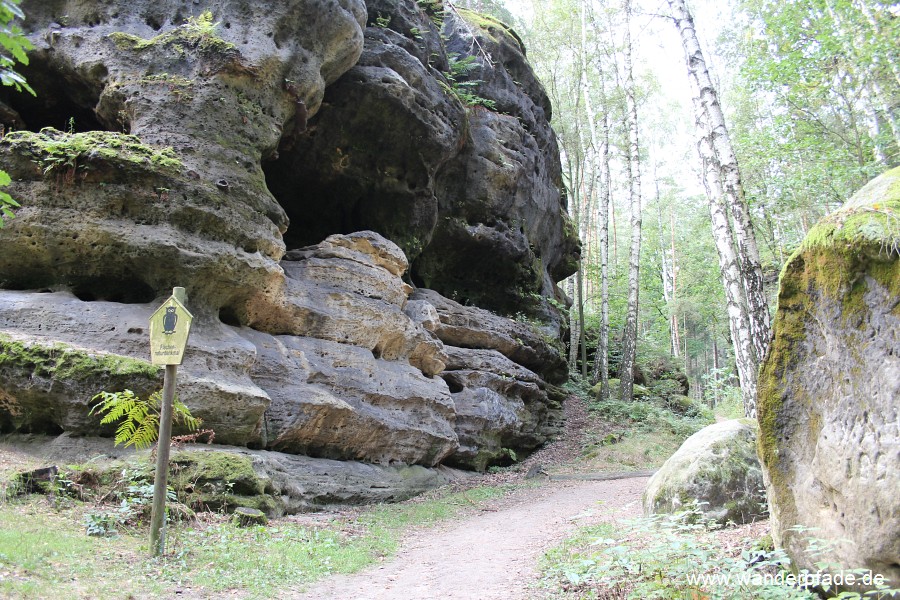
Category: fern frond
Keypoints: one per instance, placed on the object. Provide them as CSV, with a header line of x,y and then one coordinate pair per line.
x,y
139,418
183,414
146,433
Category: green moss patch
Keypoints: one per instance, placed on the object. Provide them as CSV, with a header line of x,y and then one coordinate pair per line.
x,y
62,362
216,480
490,26
56,150
196,33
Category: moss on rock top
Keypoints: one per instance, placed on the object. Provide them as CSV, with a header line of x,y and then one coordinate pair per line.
x,y
54,149
59,361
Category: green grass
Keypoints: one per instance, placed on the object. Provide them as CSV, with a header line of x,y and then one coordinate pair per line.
x,y
45,552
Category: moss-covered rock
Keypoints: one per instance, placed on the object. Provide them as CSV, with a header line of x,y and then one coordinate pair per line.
x,y
718,470
46,387
219,480
828,389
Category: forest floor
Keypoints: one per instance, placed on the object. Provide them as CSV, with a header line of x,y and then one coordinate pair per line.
x,y
484,537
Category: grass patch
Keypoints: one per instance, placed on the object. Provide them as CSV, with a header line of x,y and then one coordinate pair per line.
x,y
628,451
45,551
679,557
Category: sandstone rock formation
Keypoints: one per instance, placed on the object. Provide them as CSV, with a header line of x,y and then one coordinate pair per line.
x,y
718,469
296,168
828,410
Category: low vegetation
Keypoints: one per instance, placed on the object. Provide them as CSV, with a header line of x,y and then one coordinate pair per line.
x,y
680,557
59,545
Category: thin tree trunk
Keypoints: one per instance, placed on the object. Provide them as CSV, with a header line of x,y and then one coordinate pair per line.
x,y
574,331
724,161
738,321
601,359
676,338
629,339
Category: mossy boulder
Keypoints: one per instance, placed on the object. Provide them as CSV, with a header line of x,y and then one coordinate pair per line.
x,y
219,480
614,385
828,389
248,517
716,468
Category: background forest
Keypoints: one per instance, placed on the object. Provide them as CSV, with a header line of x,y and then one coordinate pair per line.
x,y
811,96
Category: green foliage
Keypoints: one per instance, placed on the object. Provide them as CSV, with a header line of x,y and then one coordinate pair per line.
x,y
17,45
666,557
7,203
140,418
382,21
464,89
133,508
816,112
13,40
652,415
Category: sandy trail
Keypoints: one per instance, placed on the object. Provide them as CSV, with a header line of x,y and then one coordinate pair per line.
x,y
491,555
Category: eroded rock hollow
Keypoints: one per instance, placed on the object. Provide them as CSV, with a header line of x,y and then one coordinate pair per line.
x,y
354,229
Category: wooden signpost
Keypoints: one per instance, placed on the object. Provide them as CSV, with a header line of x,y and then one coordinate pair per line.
x,y
170,327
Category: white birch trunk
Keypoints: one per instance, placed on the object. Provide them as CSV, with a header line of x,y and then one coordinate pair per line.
x,y
738,321
725,162
629,340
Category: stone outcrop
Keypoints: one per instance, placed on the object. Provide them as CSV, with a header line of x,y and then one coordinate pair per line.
x,y
361,375
526,344
501,408
225,477
394,149
298,168
828,389
715,470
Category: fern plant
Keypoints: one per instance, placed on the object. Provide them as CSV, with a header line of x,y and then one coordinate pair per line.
x,y
140,418
464,91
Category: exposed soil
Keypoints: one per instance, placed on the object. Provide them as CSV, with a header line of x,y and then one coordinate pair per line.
x,y
493,554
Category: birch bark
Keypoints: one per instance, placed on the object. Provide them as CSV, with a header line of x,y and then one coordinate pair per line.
x,y
724,161
629,339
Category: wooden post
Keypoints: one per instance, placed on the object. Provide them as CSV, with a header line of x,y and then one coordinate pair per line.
x,y
158,515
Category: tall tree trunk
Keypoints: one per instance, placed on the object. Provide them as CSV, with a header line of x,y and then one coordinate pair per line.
x,y
601,359
574,331
676,337
725,162
738,320
629,339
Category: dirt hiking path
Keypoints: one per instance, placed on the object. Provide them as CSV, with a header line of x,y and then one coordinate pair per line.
x,y
491,555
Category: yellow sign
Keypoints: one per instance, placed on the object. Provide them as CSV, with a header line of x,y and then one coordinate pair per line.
x,y
170,326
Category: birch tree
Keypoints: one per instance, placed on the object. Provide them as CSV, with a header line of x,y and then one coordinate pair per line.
x,y
629,339
735,241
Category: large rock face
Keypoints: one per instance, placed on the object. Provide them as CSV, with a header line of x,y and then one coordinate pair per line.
x,y
295,166
716,468
829,388
395,150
